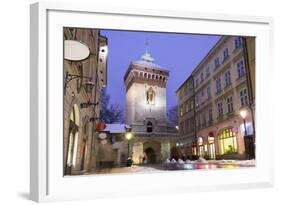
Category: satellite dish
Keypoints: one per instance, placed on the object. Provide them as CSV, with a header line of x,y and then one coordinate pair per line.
x,y
102,135
103,142
75,50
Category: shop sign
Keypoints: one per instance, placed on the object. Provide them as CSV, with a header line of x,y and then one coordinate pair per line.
x,y
211,134
102,135
235,130
103,142
100,126
200,141
211,140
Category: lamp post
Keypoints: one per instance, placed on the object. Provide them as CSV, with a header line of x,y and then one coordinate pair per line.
x,y
243,114
128,136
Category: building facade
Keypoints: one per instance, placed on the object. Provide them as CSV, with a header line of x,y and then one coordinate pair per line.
x,y
145,84
221,90
186,111
83,81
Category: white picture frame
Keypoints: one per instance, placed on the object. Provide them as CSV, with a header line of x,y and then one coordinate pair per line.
x,y
47,182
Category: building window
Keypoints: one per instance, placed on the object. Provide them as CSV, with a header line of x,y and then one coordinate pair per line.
x,y
156,77
227,78
202,77
150,96
240,68
186,106
225,54
217,62
202,93
220,109
181,110
196,83
203,119
191,104
218,84
244,97
209,92
210,115
149,127
207,71
197,100
185,89
238,42
228,142
229,104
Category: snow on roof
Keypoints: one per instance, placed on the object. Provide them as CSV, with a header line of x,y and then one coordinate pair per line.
x,y
116,128
149,64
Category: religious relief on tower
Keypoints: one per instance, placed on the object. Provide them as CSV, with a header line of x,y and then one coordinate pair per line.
x,y
150,96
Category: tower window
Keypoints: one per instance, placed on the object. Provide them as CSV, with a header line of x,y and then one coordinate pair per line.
x,y
149,126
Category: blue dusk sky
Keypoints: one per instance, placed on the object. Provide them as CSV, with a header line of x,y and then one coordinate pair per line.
x,y
178,53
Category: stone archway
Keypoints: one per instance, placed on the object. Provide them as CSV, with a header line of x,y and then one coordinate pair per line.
x,y
150,155
152,150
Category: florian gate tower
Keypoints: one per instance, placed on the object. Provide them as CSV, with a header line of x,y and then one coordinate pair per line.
x,y
145,84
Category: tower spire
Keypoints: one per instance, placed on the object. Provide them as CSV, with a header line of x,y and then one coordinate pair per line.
x,y
146,47
146,56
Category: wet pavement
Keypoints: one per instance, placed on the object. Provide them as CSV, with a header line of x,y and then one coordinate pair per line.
x,y
172,166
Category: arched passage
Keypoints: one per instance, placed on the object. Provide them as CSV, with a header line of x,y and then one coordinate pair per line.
x,y
150,155
72,139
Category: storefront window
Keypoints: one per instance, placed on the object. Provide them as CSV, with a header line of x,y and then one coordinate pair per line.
x,y
228,142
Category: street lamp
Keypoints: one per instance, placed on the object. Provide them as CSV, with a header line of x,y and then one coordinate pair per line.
x,y
243,114
128,136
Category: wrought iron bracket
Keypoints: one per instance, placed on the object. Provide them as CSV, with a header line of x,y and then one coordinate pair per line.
x,y
70,77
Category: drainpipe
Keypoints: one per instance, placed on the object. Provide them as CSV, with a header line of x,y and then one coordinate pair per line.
x,y
194,112
95,100
249,85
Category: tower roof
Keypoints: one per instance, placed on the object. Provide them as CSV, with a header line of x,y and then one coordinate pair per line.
x,y
147,60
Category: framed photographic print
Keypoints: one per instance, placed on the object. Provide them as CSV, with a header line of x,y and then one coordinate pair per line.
x,y
133,102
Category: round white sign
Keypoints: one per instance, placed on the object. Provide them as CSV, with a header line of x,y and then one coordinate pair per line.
x,y
102,135
103,142
75,50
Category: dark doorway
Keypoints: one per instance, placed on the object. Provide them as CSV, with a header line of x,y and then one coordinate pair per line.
x,y
249,146
151,157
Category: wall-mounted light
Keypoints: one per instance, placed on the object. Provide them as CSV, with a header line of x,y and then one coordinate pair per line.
x,y
88,104
70,77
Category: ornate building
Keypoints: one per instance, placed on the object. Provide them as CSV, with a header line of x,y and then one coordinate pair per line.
x,y
83,81
222,90
145,84
186,111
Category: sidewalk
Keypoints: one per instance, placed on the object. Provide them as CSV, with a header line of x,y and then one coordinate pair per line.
x,y
193,165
